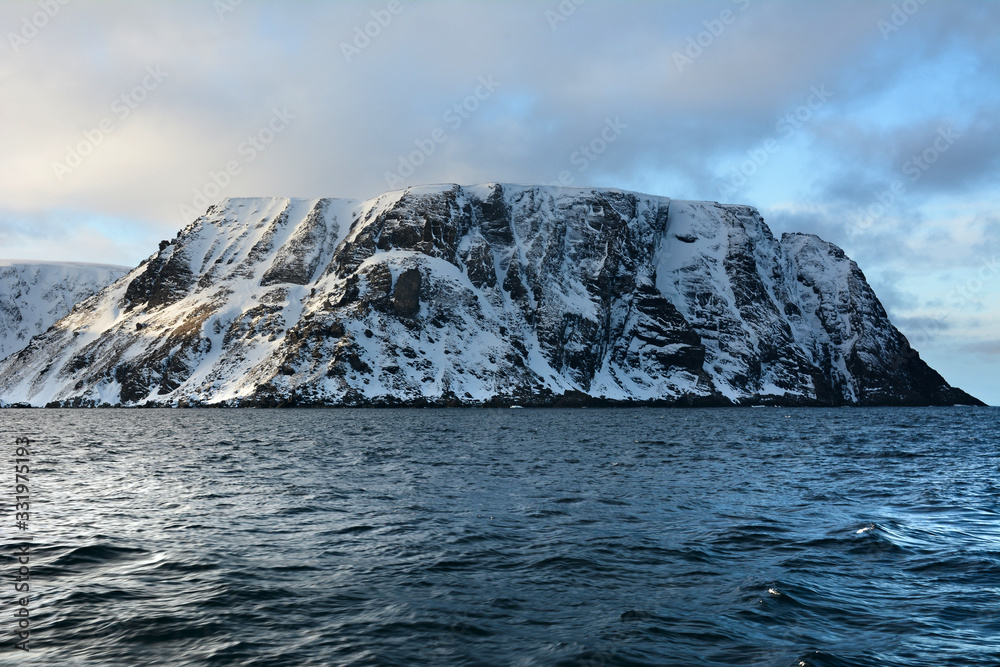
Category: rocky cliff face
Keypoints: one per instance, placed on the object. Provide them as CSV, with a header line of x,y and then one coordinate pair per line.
x,y
34,295
488,294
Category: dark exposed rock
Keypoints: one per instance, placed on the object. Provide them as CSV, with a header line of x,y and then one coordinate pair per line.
x,y
406,294
478,263
166,280
298,259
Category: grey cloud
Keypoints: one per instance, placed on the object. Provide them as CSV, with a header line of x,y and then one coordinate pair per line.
x,y
354,119
987,348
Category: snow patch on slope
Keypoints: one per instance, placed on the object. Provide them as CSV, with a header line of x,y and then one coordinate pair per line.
x,y
35,295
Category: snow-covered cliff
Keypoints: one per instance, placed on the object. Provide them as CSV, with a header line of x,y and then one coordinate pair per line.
x,y
486,294
34,295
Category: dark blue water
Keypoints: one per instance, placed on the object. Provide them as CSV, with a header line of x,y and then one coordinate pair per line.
x,y
509,537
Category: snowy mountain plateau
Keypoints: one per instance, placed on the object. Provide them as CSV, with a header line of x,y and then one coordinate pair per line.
x,y
34,295
479,295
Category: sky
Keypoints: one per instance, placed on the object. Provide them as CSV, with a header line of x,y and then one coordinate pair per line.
x,y
872,124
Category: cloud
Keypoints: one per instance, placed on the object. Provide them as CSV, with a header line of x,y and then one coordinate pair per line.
x,y
989,348
700,88
77,236
357,117
358,111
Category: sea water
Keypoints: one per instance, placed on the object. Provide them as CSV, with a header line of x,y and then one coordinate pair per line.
x,y
503,537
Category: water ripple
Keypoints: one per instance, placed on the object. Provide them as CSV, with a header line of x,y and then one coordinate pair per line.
x,y
527,537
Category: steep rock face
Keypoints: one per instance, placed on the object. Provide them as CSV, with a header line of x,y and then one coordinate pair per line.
x,y
847,334
34,295
475,295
